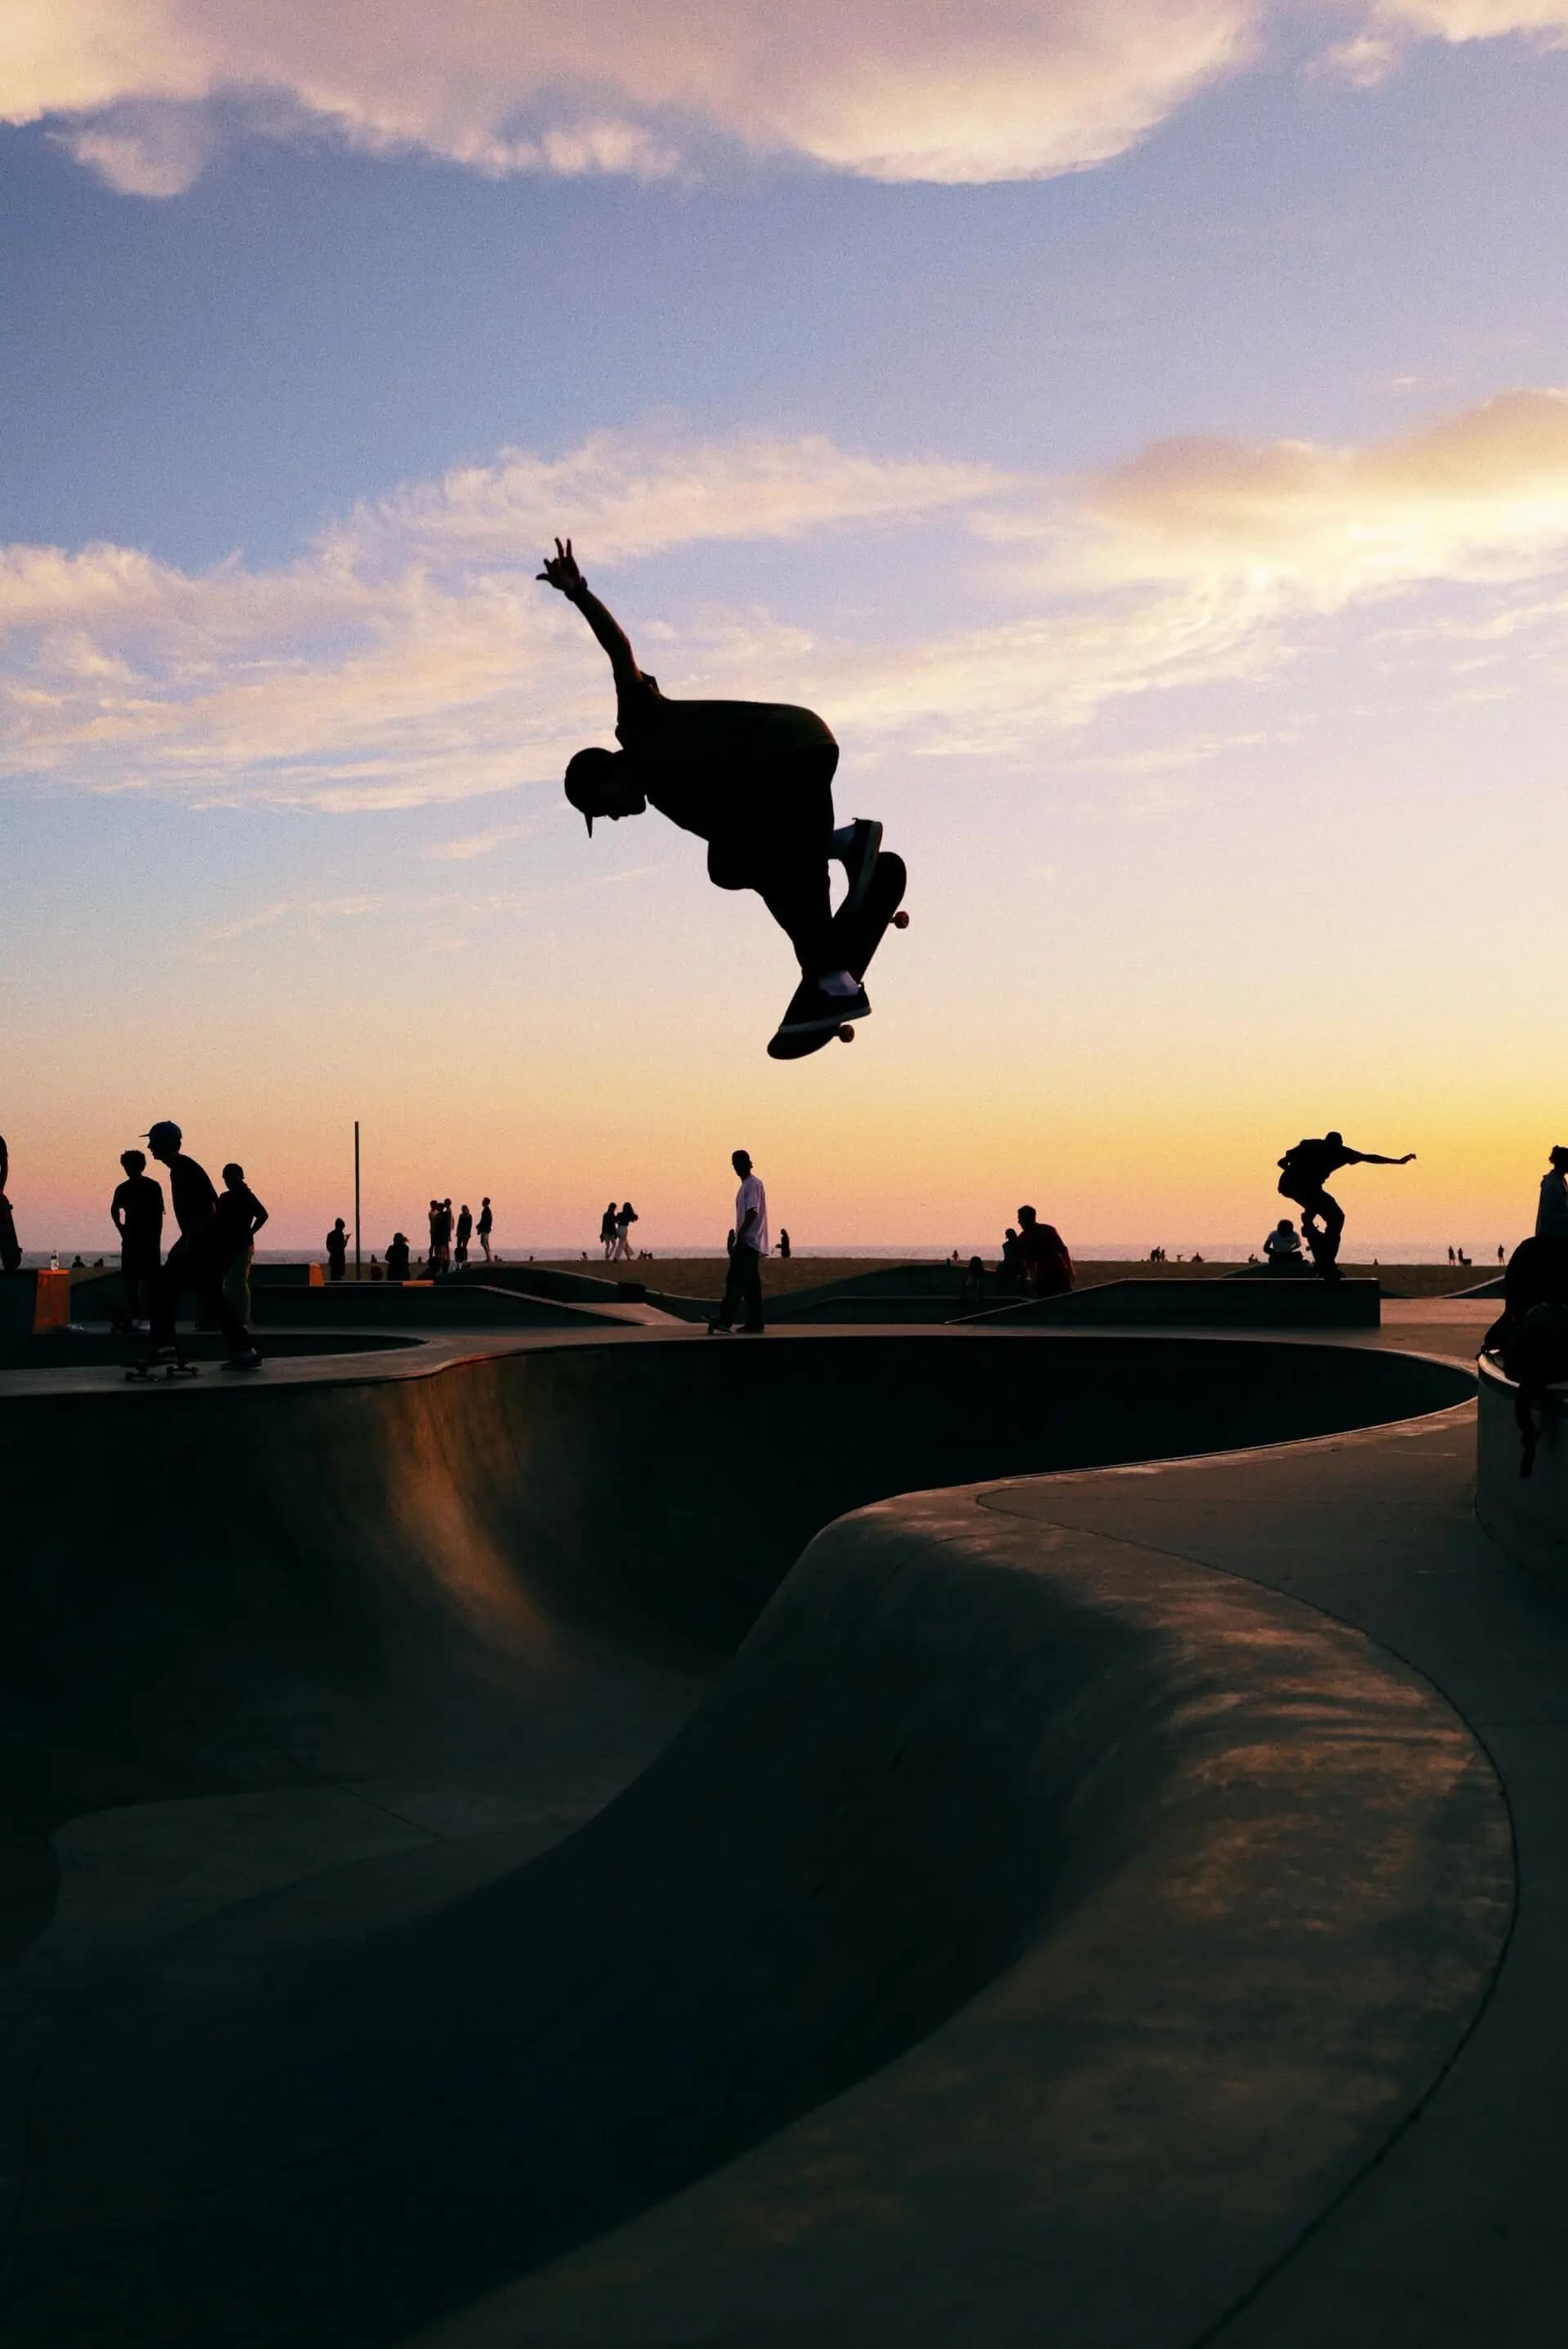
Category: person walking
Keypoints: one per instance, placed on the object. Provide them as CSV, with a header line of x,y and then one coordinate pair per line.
x,y
465,1233
199,1258
484,1227
136,1212
337,1252
607,1231
1304,1171
240,1216
743,1281
10,1247
624,1218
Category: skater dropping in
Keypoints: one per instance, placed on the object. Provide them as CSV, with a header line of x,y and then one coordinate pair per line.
x,y
1304,1171
755,779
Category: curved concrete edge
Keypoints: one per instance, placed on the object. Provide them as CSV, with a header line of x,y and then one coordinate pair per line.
x,y
1242,1879
1525,1515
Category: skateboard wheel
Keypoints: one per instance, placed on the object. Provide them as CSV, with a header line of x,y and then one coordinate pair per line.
x,y
901,920
846,1035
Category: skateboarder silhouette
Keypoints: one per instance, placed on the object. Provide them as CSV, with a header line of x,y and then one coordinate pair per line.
x,y
754,778
1305,1170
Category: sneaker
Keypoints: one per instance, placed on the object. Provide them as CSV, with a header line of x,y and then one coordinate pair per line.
x,y
865,846
251,1361
827,1012
720,1329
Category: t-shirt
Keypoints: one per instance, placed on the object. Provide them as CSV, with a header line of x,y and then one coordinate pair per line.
x,y
1042,1249
487,1221
1551,1216
140,1203
1311,1163
752,1195
1283,1244
235,1217
193,1196
465,1224
336,1243
695,759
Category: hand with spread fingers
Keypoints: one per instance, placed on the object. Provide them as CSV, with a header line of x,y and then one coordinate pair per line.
x,y
561,569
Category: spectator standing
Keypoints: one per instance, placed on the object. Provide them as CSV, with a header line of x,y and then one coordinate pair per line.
x,y
240,1216
484,1227
430,1260
444,1235
198,1260
465,1232
626,1217
1047,1267
1551,1213
1012,1265
136,1212
783,1245
10,1247
743,1282
337,1252
607,1231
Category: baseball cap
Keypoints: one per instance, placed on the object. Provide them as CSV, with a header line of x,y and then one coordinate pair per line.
x,y
161,1127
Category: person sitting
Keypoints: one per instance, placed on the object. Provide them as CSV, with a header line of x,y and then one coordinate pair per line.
x,y
1283,1245
398,1256
1042,1251
973,1285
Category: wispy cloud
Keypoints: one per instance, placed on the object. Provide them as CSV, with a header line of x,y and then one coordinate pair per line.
x,y
410,658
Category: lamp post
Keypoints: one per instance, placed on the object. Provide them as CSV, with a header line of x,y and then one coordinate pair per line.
x,y
356,1198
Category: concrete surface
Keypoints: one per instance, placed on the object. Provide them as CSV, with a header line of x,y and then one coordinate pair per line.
x,y
459,1877
1527,1515
1218,1304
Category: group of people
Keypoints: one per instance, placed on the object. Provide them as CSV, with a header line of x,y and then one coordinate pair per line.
x,y
615,1232
1034,1258
212,1258
450,1236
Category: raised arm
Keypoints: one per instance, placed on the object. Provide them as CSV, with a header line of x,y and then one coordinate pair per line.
x,y
1371,1158
562,573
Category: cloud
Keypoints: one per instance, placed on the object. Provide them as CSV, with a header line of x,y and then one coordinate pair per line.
x,y
409,658
1477,20
893,89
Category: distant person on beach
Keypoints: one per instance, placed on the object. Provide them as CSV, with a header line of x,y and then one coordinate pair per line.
x,y
754,778
1304,1171
748,1245
199,1257
240,1216
336,1252
783,1245
10,1248
626,1217
607,1231
1500,1254
465,1232
1042,1252
484,1227
136,1212
398,1256
1283,1245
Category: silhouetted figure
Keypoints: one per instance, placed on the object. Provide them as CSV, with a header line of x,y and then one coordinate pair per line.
x,y
465,1232
1011,1268
1283,1246
1304,1172
136,1211
398,1256
1499,1255
624,1218
484,1227
337,1252
1047,1268
748,1245
1451,1256
754,778
377,1270
199,1257
443,1235
10,1247
240,1216
783,1245
973,1287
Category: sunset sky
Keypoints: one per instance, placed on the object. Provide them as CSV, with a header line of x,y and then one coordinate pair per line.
x,y
1142,432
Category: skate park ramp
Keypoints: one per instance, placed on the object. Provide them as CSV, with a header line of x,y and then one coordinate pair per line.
x,y
462,1874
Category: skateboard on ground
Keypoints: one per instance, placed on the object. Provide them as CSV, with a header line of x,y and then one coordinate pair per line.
x,y
856,937
145,1373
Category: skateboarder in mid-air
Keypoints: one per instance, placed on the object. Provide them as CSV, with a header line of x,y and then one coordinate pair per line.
x,y
754,778
1304,1172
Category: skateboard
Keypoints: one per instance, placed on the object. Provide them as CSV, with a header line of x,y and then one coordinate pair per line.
x,y
856,937
146,1373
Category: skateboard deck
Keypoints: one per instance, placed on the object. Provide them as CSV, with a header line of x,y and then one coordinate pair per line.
x,y
856,938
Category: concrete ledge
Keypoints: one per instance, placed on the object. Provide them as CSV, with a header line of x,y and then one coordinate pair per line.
x,y
1219,1304
1525,1515
34,1300
415,1305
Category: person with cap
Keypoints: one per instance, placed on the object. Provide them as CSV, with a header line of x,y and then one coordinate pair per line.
x,y
754,778
199,1257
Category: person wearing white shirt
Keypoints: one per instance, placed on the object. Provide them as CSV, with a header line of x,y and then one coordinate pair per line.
x,y
1551,1215
743,1283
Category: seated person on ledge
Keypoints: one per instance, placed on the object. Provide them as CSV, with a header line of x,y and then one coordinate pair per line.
x,y
1283,1245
